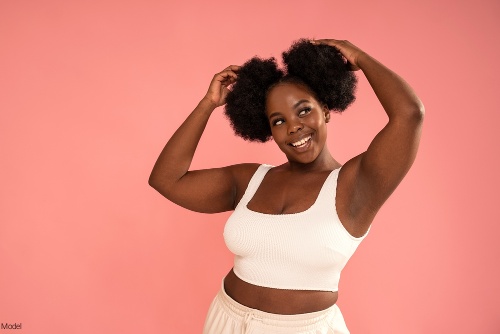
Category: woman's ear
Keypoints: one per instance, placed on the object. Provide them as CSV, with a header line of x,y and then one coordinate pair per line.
x,y
326,112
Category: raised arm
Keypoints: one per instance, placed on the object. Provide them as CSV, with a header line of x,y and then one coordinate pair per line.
x,y
209,190
379,170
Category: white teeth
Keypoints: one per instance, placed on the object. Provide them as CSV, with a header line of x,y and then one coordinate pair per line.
x,y
301,142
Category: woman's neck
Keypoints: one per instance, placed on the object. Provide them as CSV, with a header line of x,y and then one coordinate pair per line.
x,y
324,161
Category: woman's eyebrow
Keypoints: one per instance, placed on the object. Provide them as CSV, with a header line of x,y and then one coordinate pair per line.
x,y
274,114
299,103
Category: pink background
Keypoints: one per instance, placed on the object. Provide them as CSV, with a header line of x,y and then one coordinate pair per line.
x,y
90,91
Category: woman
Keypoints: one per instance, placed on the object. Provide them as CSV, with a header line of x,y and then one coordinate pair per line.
x,y
294,226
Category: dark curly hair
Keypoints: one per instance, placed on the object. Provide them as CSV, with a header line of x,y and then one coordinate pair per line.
x,y
321,68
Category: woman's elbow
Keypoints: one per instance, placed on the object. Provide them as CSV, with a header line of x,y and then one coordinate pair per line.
x,y
154,181
416,112
420,110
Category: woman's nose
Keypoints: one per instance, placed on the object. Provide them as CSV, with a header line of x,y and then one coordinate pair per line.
x,y
294,126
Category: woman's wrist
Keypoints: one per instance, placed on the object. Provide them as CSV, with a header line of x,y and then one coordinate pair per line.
x,y
362,59
207,104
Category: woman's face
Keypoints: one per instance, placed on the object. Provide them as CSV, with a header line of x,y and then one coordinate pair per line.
x,y
298,121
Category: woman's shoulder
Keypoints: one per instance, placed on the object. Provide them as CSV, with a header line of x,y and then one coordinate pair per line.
x,y
243,170
242,174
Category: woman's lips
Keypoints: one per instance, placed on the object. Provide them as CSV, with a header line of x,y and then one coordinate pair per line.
x,y
301,142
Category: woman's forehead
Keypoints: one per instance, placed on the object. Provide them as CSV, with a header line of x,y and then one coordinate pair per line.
x,y
288,94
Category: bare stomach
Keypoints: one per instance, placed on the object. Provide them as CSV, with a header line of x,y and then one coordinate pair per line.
x,y
277,301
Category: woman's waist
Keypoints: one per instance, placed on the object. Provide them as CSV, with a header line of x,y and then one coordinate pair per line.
x,y
277,301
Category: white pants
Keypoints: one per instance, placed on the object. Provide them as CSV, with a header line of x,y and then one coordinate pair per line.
x,y
226,316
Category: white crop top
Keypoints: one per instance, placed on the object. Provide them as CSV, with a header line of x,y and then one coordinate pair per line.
x,y
297,251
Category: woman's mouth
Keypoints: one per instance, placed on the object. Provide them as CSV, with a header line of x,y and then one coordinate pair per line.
x,y
301,143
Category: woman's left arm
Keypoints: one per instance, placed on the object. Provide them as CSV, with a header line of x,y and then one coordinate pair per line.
x,y
391,153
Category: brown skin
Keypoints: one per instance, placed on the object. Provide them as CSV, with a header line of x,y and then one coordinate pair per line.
x,y
364,182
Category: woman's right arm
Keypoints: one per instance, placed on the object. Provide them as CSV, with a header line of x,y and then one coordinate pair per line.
x,y
209,190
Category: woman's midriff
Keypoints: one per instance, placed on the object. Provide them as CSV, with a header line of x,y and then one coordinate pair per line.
x,y
278,301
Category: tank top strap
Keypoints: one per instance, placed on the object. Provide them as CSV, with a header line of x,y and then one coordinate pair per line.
x,y
328,193
254,183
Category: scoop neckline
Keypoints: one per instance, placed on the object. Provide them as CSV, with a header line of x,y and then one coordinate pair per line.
x,y
323,186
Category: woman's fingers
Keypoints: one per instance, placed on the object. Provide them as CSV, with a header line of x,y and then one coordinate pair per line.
x,y
234,68
218,90
229,73
348,50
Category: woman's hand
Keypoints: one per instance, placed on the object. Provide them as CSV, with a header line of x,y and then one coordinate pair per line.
x,y
218,89
346,48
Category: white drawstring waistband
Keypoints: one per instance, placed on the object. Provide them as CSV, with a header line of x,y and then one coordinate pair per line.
x,y
246,322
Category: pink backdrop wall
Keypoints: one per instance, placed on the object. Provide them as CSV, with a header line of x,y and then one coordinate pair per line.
x,y
91,91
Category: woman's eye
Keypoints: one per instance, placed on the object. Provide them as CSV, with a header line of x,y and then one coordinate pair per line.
x,y
278,122
304,111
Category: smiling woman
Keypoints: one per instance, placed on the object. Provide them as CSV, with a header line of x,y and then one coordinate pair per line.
x,y
294,226
298,122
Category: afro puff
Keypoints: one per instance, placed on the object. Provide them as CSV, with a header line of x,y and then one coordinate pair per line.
x,y
246,102
321,68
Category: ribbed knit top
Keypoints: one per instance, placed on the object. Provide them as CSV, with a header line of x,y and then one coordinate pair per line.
x,y
298,251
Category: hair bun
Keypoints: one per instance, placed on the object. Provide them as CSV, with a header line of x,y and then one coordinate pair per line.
x,y
246,102
324,70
